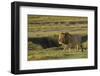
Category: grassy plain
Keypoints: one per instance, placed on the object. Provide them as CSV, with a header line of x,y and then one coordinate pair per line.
x,y
43,34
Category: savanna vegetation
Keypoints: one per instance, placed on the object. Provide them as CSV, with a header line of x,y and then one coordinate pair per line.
x,y
43,34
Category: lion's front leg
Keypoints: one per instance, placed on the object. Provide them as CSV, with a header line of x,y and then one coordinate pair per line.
x,y
65,47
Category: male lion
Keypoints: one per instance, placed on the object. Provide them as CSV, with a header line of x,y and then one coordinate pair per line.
x,y
69,41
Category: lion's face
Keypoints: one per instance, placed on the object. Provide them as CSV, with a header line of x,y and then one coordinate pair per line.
x,y
64,38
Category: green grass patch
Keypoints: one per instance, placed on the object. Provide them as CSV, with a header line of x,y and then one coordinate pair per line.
x,y
48,54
